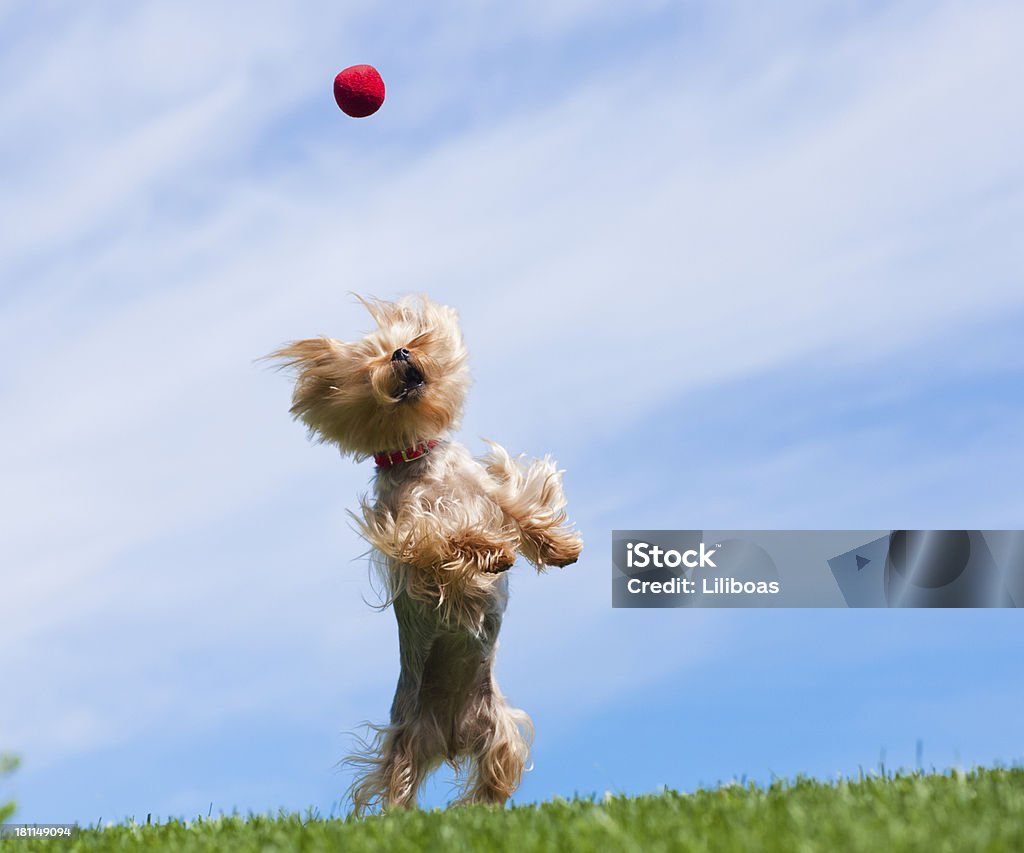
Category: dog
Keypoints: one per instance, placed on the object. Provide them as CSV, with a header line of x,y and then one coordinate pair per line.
x,y
444,529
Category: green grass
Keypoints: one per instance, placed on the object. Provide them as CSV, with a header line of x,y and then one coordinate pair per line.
x,y
8,764
977,810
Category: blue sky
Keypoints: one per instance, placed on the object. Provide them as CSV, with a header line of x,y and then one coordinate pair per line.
x,y
734,268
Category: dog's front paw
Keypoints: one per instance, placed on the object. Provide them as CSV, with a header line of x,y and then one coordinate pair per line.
x,y
561,550
495,562
486,555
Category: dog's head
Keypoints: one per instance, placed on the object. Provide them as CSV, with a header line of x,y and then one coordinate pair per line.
x,y
403,383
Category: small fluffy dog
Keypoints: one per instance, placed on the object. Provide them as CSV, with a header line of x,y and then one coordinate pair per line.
x,y
444,528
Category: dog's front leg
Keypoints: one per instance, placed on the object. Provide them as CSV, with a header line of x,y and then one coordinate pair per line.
x,y
532,497
453,538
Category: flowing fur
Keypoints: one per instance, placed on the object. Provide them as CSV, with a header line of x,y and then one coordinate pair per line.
x,y
444,528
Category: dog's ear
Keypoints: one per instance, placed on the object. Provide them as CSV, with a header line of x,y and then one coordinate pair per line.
x,y
320,378
311,354
318,364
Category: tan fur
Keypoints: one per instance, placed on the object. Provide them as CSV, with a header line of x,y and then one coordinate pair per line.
x,y
445,528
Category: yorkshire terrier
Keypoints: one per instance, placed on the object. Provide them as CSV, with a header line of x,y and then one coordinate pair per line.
x,y
444,529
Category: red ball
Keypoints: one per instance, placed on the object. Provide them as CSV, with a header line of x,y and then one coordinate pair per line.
x,y
359,91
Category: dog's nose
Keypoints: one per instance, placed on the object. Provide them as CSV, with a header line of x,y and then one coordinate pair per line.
x,y
400,355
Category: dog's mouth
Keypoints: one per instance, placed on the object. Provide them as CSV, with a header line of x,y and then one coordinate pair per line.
x,y
411,381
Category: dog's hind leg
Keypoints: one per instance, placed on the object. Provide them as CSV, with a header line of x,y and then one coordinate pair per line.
x,y
496,738
393,772
391,769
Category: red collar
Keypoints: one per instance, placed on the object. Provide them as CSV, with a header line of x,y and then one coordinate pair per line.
x,y
387,458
